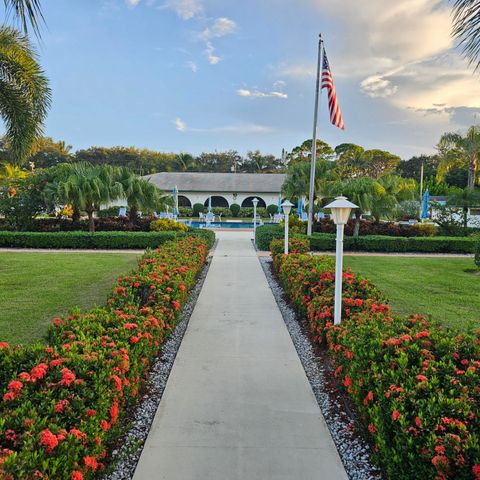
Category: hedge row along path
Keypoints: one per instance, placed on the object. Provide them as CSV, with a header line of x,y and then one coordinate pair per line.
x,y
238,404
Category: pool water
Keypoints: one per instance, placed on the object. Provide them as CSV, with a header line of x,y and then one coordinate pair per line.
x,y
222,225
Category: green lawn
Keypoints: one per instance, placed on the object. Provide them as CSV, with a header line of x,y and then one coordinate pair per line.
x,y
35,287
439,287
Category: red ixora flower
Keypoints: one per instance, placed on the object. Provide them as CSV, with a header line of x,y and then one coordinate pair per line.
x,y
4,345
371,428
421,378
476,471
347,381
68,377
15,385
395,415
76,475
48,439
38,372
90,462
418,421
130,326
440,462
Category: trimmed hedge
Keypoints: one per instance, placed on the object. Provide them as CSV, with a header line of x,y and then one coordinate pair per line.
x,y
379,243
62,405
415,384
98,240
372,243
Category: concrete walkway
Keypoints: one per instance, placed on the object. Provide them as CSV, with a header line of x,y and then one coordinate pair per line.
x,y
237,405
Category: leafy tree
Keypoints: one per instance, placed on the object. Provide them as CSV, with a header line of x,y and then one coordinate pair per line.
x,y
47,153
24,93
411,168
256,162
88,186
11,174
140,161
466,28
304,152
465,199
226,162
355,162
457,151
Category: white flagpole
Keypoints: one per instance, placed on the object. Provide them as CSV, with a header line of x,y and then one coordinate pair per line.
x,y
314,139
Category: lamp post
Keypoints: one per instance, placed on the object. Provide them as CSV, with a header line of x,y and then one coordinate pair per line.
x,y
255,203
287,206
341,209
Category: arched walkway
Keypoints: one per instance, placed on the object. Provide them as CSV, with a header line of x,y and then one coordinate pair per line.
x,y
183,201
248,202
217,201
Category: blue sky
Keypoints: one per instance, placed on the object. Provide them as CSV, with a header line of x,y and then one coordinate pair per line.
x,y
199,75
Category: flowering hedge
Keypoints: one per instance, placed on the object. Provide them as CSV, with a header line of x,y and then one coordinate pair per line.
x,y
416,385
62,404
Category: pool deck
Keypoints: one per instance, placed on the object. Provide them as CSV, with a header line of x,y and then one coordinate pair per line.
x,y
238,404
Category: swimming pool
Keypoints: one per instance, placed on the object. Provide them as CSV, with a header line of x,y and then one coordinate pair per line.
x,y
223,225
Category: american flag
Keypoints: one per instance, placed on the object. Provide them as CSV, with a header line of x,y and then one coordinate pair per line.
x,y
327,82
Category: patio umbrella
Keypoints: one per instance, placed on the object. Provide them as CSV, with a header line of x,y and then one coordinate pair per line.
x,y
299,207
210,203
175,200
279,206
426,198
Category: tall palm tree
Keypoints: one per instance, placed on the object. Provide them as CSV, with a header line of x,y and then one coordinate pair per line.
x,y
466,28
87,187
184,162
456,150
297,182
396,189
24,92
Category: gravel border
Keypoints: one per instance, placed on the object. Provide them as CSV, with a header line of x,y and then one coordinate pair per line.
x,y
353,449
125,457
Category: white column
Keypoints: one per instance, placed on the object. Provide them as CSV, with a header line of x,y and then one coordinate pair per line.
x,y
338,274
286,234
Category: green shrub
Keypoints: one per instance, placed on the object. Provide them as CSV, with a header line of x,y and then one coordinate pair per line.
x,y
167,225
272,209
185,211
247,212
414,383
295,246
108,212
64,404
379,243
198,208
98,240
295,225
265,234
235,209
477,251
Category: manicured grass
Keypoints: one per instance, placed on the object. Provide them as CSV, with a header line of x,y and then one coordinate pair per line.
x,y
35,287
438,287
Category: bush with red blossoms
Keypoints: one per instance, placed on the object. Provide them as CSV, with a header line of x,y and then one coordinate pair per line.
x,y
61,404
416,385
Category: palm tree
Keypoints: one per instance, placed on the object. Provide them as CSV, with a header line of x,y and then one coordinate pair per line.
x,y
24,93
297,182
458,151
138,192
184,162
396,189
466,28
465,199
88,186
27,12
364,192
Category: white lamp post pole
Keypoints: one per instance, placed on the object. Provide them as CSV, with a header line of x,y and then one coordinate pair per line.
x,y
255,203
287,207
341,209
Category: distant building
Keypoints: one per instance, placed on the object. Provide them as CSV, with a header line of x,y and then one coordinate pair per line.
x,y
223,188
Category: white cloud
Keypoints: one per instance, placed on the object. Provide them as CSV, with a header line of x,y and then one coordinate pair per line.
x,y
186,9
192,66
378,86
132,3
180,125
209,53
221,27
243,92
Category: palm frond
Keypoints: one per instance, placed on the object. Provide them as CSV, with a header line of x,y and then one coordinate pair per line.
x,y
466,29
27,12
